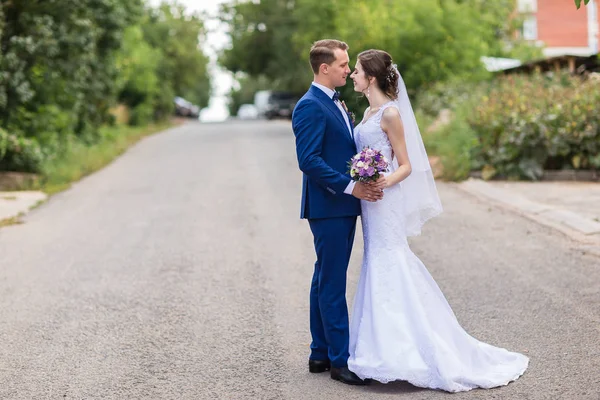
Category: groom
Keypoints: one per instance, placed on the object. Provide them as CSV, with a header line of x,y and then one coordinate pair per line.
x,y
330,202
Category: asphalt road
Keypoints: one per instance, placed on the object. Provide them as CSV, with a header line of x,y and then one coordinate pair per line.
x,y
181,271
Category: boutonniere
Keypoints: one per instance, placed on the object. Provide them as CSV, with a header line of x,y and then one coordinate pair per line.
x,y
350,113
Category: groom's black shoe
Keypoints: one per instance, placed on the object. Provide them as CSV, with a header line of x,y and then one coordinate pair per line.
x,y
344,375
318,366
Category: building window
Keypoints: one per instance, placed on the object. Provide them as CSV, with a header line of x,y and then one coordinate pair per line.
x,y
530,28
527,6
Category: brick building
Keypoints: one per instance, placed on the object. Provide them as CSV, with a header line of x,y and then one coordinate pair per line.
x,y
561,27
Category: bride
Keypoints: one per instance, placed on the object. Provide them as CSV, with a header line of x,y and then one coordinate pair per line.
x,y
402,327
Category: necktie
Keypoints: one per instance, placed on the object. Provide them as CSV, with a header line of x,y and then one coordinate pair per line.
x,y
336,96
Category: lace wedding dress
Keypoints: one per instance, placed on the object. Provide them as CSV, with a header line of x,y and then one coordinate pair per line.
x,y
402,327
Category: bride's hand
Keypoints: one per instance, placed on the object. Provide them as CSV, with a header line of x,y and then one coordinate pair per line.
x,y
380,183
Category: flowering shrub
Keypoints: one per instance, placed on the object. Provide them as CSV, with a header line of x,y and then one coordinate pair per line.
x,y
526,124
516,126
18,153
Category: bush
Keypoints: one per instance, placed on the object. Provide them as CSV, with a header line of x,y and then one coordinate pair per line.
x,y
453,144
516,126
526,124
448,95
142,114
18,153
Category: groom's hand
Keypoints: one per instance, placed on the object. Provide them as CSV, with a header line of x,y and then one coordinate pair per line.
x,y
366,192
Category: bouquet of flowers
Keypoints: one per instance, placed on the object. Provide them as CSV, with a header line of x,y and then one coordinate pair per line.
x,y
368,165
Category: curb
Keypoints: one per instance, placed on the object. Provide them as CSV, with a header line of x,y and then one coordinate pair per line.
x,y
15,204
574,225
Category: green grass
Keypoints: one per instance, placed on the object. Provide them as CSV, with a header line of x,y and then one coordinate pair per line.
x,y
82,160
16,220
11,221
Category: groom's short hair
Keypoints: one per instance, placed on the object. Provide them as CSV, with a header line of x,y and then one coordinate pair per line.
x,y
322,52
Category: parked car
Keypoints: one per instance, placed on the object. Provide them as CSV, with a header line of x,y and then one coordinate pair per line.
x,y
247,111
184,108
273,104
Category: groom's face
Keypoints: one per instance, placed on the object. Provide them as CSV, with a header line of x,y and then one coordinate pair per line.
x,y
339,69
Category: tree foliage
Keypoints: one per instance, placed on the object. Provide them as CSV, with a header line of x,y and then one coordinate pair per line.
x,y
65,64
430,40
57,62
160,59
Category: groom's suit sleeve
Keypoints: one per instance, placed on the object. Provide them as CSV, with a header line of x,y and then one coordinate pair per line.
x,y
309,128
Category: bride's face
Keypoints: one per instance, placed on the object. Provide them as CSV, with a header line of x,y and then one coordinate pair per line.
x,y
361,81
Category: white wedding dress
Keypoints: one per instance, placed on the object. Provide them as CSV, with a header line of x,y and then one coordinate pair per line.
x,y
402,327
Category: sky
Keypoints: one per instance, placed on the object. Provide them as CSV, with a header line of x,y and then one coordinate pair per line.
x,y
216,40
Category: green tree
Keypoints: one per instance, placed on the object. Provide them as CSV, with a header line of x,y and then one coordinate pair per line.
x,y
431,40
64,65
57,64
160,59
139,83
503,30
261,36
183,66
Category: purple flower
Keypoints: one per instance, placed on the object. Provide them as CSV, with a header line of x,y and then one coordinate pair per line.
x,y
367,165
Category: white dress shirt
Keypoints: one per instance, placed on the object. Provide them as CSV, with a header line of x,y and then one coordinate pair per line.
x,y
338,103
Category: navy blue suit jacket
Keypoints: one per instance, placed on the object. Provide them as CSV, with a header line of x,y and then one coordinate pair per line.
x,y
323,146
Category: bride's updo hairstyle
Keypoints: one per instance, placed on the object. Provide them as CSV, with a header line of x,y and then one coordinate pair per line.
x,y
378,64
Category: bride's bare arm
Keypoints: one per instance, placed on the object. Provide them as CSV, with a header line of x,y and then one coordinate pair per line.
x,y
391,123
